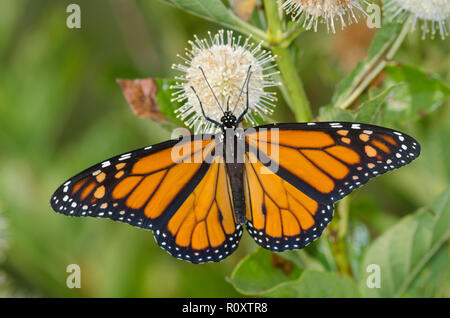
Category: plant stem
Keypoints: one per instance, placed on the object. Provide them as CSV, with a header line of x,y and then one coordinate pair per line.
x,y
338,231
293,84
292,34
291,80
377,68
344,208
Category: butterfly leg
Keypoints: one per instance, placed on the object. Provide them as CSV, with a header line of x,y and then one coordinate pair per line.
x,y
203,111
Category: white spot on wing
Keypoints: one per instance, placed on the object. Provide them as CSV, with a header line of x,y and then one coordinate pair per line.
x,y
106,164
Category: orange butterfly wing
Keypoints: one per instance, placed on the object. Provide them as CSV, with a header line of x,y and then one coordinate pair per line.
x,y
295,172
165,188
293,175
204,228
280,216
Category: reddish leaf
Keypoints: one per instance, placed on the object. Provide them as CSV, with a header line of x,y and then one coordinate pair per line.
x,y
140,95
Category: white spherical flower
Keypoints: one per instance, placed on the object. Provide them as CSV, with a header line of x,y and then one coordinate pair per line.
x,y
215,72
435,14
311,12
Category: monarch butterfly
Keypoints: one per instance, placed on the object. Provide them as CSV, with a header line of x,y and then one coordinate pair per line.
x,y
278,180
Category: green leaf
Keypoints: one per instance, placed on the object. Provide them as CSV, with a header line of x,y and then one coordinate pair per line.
x,y
303,260
348,84
384,36
330,113
213,10
431,282
314,284
216,11
405,250
421,93
163,98
370,111
256,276
381,42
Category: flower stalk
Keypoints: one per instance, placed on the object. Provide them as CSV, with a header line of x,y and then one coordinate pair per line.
x,y
279,45
338,231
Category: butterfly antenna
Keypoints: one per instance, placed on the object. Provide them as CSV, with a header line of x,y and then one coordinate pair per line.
x,y
241,116
210,88
247,79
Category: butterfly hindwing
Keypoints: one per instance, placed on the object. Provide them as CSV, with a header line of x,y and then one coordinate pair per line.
x,y
204,228
280,216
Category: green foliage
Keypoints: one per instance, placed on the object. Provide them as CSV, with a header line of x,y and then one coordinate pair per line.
x,y
371,110
61,111
419,94
257,276
382,42
407,248
330,113
432,281
164,99
406,254
209,9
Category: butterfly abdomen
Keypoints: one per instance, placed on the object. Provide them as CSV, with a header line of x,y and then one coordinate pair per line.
x,y
236,174
234,160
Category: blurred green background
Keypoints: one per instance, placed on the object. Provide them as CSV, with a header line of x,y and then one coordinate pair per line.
x,y
62,111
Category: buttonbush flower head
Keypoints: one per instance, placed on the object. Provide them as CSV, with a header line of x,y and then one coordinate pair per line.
x,y
313,12
217,70
435,14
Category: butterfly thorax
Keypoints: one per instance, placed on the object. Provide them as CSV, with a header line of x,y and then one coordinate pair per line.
x,y
233,153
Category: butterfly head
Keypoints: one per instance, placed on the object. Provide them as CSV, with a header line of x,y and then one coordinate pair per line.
x,y
228,120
